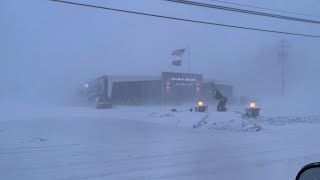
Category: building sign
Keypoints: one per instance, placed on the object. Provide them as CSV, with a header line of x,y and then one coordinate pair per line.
x,y
181,86
185,81
181,79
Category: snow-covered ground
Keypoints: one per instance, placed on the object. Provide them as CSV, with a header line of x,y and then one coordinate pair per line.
x,y
74,143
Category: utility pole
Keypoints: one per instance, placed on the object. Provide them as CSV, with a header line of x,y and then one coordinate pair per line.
x,y
188,48
282,60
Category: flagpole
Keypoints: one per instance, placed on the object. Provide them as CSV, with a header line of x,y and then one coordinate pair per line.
x,y
188,47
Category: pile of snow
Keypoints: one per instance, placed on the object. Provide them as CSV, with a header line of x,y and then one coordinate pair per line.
x,y
287,120
226,121
253,124
162,115
181,117
238,125
178,116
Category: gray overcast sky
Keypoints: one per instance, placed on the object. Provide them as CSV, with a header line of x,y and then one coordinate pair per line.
x,y
45,44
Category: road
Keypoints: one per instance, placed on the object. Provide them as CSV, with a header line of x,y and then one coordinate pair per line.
x,y
76,144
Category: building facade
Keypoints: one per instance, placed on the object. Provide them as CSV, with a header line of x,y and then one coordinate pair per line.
x,y
169,88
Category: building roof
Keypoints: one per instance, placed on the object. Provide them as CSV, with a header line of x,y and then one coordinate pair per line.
x,y
226,83
132,78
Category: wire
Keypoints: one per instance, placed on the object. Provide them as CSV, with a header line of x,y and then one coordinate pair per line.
x,y
212,6
182,19
269,9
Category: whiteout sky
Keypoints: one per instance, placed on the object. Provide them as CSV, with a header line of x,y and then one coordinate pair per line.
x,y
48,48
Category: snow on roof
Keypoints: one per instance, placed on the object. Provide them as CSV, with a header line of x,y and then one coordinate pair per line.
x,y
226,83
132,78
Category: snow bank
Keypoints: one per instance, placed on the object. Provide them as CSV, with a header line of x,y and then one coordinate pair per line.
x,y
178,116
227,121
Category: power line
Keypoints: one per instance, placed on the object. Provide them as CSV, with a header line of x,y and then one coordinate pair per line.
x,y
185,20
263,8
225,8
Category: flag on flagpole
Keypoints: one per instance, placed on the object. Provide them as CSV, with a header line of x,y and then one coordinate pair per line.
x,y
178,52
176,62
